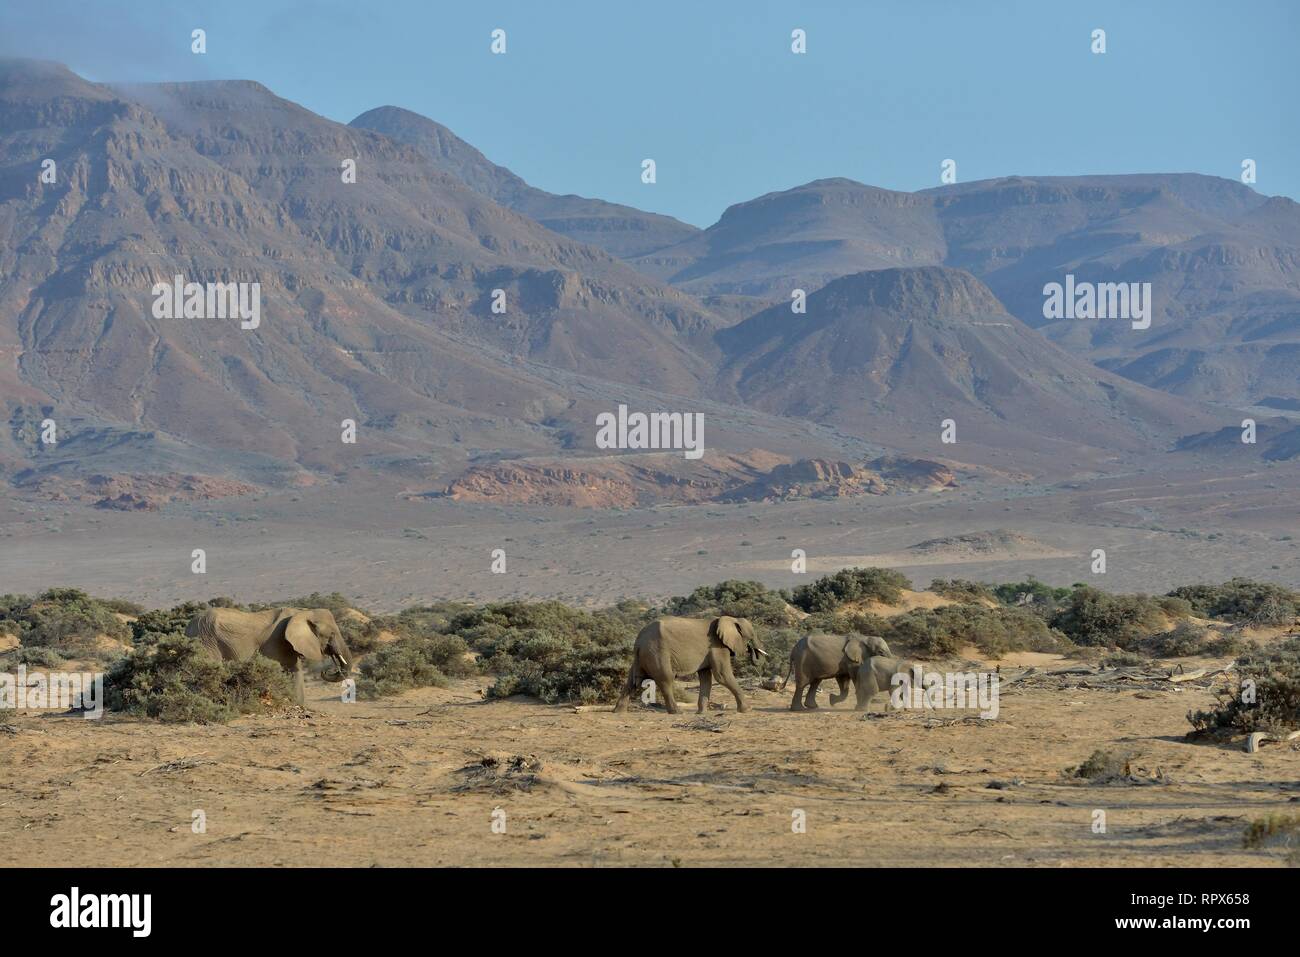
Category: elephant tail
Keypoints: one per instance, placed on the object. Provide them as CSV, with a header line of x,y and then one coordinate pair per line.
x,y
634,675
788,675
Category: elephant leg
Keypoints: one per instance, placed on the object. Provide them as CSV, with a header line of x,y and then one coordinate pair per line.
x,y
732,685
843,681
299,688
866,689
667,691
810,701
706,688
796,703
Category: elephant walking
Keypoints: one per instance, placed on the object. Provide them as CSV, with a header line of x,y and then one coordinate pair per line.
x,y
290,636
817,657
703,647
875,675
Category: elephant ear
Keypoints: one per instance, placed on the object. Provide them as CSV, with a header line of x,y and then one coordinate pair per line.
x,y
302,638
853,649
727,632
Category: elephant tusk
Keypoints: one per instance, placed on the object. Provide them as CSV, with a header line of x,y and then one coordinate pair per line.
x,y
762,652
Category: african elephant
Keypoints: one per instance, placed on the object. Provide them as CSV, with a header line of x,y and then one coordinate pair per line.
x,y
291,636
704,647
820,656
876,674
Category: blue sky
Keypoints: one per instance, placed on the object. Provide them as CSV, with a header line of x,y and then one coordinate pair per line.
x,y
711,91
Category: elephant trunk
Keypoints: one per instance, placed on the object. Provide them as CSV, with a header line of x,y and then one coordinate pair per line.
x,y
342,667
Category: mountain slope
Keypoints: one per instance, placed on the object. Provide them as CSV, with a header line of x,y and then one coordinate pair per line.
x,y
375,296
1223,261
889,354
620,230
802,238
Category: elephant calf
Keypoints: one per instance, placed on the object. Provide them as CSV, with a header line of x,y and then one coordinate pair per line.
x,y
815,658
875,675
290,636
690,646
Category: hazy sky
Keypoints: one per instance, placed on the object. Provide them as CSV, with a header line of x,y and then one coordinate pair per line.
x,y
711,91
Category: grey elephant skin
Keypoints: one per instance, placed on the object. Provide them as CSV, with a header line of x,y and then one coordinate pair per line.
x,y
875,675
704,647
816,657
293,637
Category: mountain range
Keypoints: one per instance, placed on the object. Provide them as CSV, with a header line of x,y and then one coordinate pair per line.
x,y
460,315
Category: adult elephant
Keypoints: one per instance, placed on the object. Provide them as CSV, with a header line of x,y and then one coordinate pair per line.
x,y
703,647
817,657
291,636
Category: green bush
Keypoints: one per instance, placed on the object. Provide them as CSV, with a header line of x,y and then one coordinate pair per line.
x,y
173,680
418,621
740,599
1188,639
1242,600
65,619
33,656
589,674
1266,696
942,632
151,626
844,623
959,589
416,662
334,602
851,584
549,650
1095,617
1043,600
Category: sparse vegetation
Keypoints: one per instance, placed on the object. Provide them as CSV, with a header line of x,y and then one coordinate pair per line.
x,y
1242,600
959,589
1043,599
66,620
1279,828
1266,695
851,584
172,680
414,662
152,626
740,599
939,632
1093,617
1112,767
559,653
549,650
33,656
1187,639
1103,767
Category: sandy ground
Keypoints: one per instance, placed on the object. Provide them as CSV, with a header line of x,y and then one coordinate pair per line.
x,y
404,781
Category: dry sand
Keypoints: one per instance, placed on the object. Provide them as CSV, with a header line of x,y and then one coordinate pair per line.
x,y
404,781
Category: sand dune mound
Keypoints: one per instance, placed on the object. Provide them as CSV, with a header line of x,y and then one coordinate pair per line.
x,y
995,542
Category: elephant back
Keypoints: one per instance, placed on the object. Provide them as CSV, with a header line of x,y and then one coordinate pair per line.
x,y
231,632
